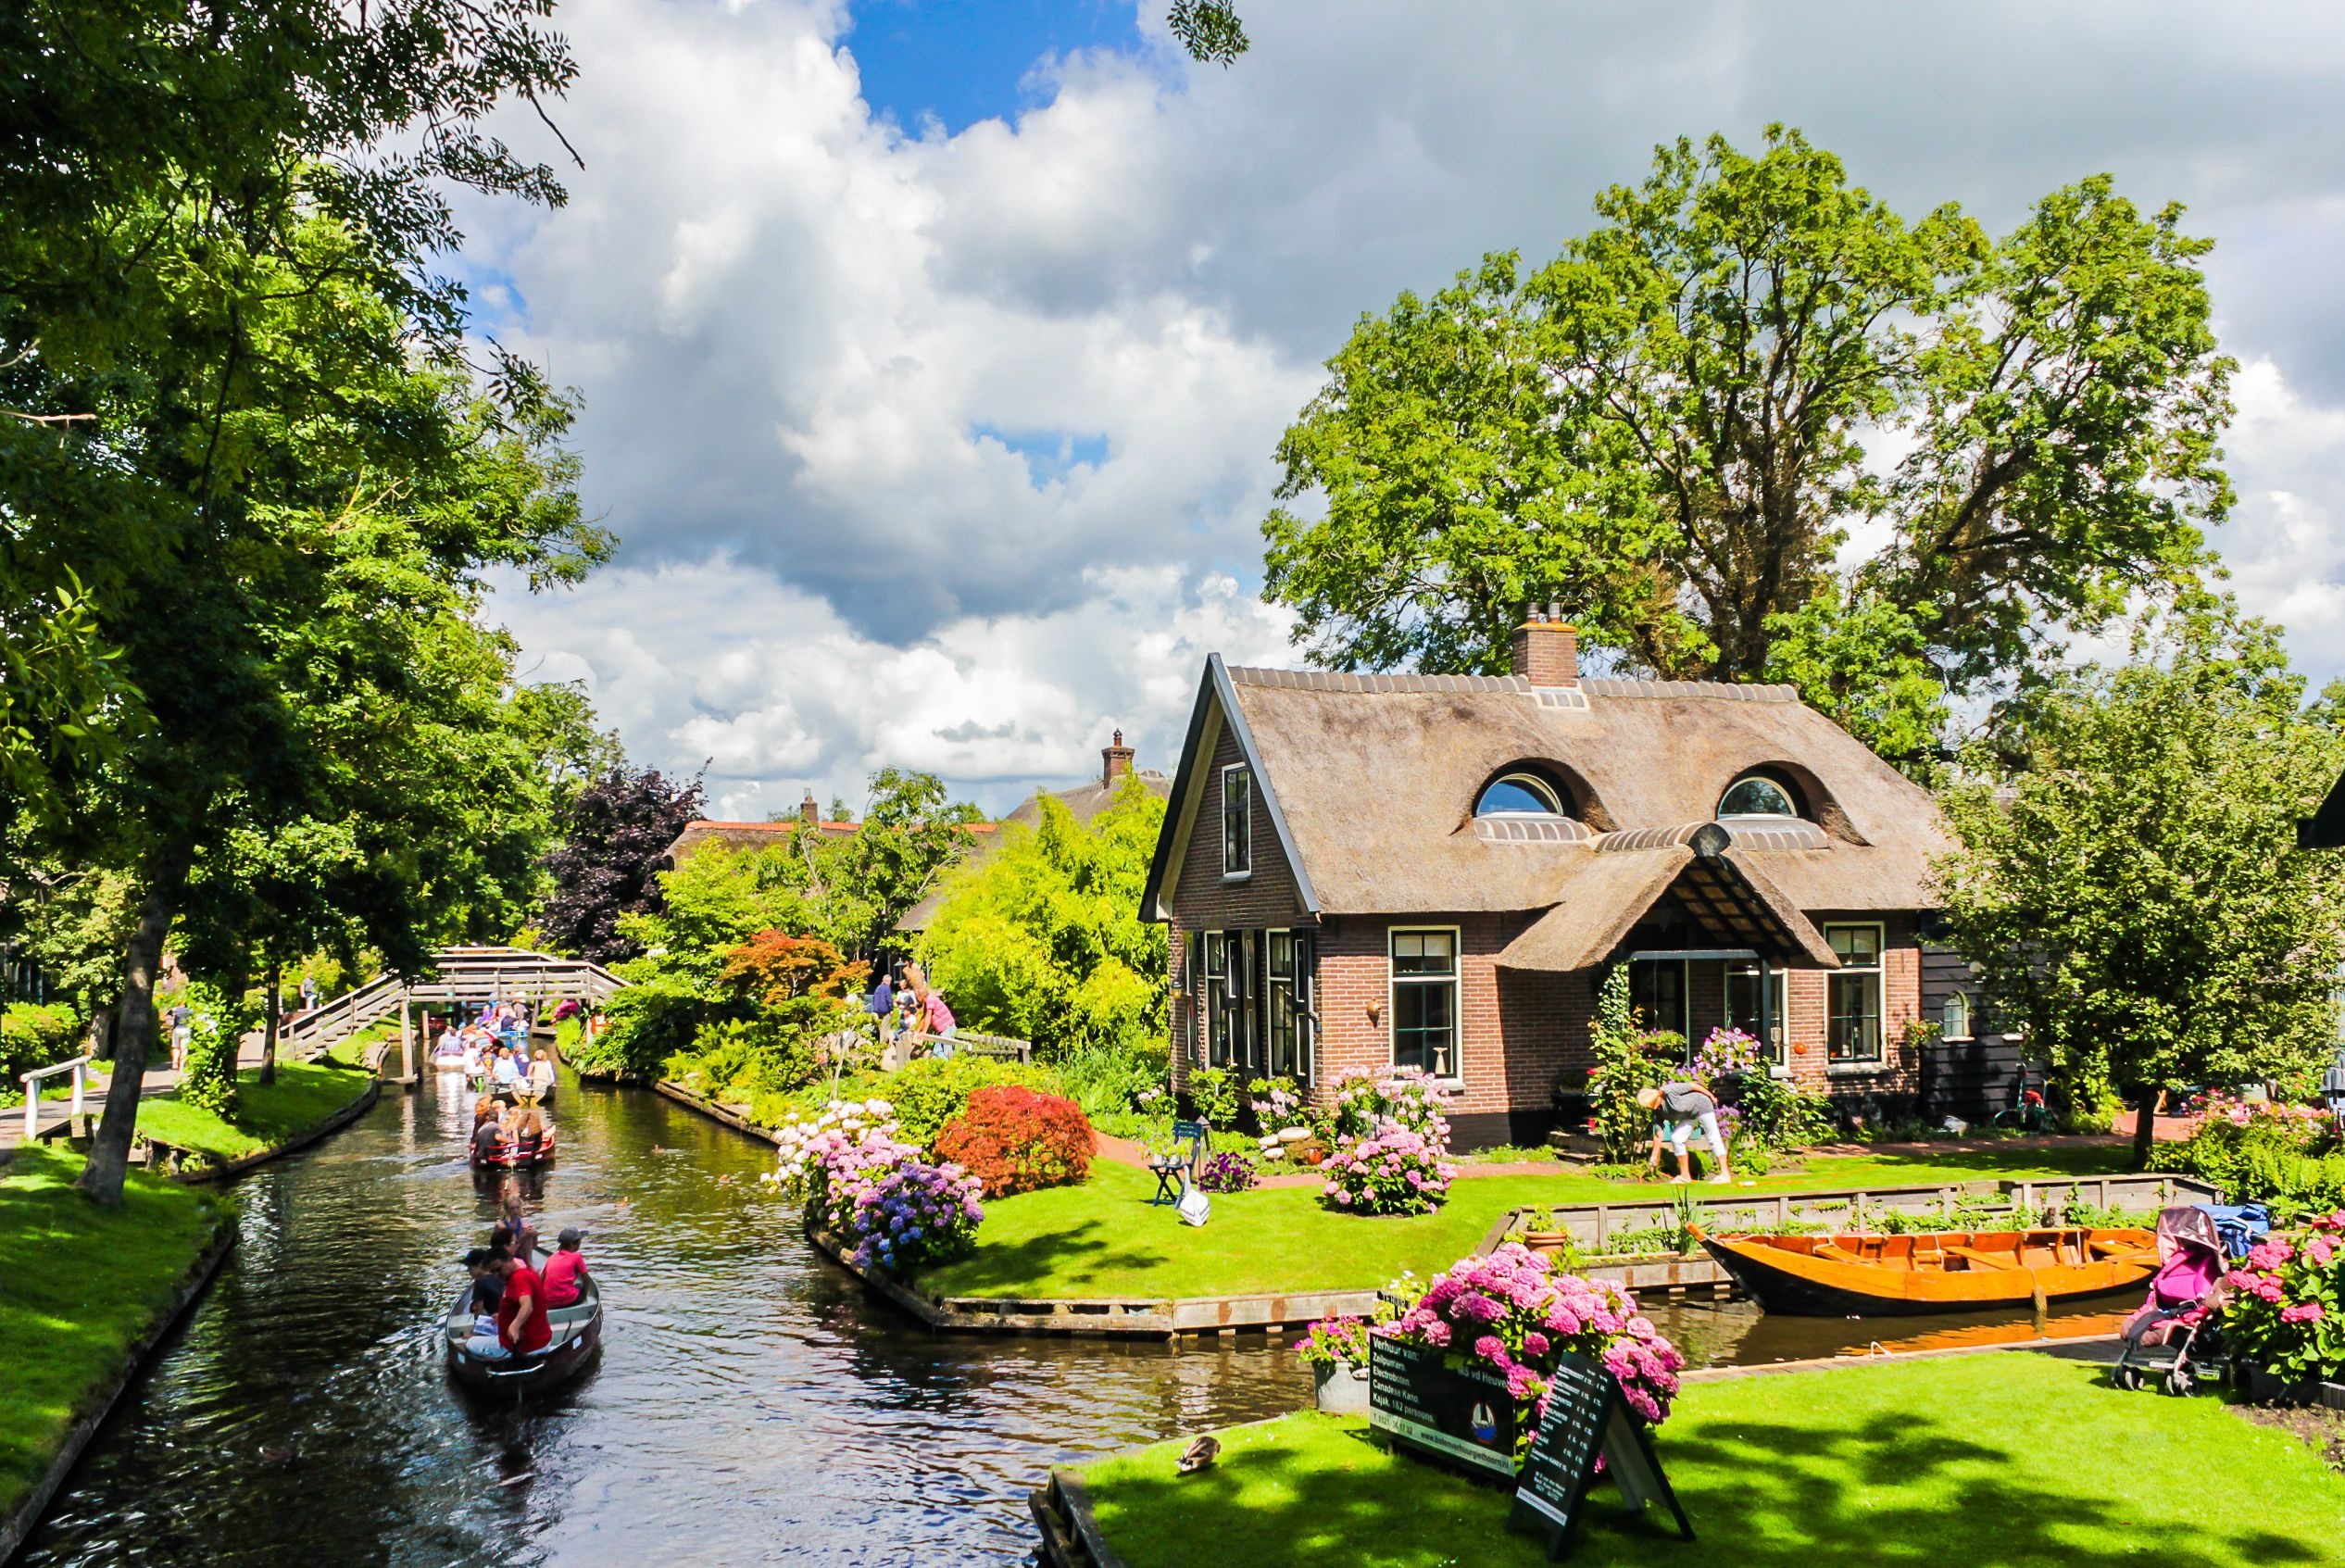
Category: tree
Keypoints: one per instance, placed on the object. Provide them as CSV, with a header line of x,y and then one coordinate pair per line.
x,y
614,834
1043,940
1209,30
910,834
1666,430
2129,880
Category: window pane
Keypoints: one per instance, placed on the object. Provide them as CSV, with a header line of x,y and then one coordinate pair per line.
x,y
1282,956
1957,1025
1757,798
1517,794
1423,952
1857,945
1855,1024
1424,1026
1237,806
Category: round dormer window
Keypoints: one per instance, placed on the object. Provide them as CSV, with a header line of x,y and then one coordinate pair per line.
x,y
1518,795
1755,795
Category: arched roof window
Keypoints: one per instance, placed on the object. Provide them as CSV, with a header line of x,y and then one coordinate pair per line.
x,y
1518,795
1755,795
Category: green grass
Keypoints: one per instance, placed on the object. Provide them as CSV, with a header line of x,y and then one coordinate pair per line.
x,y
2009,1460
78,1285
1102,1238
304,1095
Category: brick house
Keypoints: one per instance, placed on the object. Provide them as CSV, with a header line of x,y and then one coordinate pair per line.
x,y
1433,870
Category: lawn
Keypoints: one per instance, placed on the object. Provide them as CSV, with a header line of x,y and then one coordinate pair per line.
x,y
78,1285
304,1095
1102,1238
2008,1460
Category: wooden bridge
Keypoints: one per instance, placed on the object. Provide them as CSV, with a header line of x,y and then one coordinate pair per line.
x,y
478,975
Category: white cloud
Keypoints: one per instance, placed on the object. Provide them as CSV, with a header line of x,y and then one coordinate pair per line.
x,y
949,451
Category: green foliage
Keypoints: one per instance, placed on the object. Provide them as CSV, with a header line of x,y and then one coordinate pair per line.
x,y
217,1023
1109,1081
1662,431
1623,1066
2134,893
34,1034
2289,1158
1043,940
931,1092
1214,1091
1209,30
1778,1114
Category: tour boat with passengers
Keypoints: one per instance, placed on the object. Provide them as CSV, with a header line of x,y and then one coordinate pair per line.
x,y
577,1330
1925,1272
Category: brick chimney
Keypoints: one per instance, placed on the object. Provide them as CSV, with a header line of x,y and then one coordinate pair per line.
x,y
1115,760
809,814
1546,648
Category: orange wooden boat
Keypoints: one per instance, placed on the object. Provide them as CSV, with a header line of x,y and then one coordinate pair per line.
x,y
1932,1271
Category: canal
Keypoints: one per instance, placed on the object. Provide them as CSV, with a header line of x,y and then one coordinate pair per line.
x,y
751,1405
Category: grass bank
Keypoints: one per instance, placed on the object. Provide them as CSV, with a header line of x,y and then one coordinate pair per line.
x,y
2014,1460
80,1286
1102,1238
268,1114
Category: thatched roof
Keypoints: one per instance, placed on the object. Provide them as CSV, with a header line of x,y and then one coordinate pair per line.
x,y
1371,780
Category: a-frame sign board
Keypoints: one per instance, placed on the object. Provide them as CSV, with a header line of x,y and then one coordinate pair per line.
x,y
1586,1417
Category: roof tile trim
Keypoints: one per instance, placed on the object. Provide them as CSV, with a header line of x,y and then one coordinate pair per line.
x,y
1345,680
1791,835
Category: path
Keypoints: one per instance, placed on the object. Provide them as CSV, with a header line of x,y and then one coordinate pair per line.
x,y
158,1080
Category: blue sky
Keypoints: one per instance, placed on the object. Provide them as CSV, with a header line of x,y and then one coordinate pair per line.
x,y
965,60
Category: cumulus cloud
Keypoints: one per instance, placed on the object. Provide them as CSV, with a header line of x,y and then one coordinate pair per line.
x,y
949,450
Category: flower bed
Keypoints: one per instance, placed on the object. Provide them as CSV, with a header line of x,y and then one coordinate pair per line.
x,y
862,1183
2286,1308
1394,1172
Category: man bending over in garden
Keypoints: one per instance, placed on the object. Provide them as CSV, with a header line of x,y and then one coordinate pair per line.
x,y
1678,1108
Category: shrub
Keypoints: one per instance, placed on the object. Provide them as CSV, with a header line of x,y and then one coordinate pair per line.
x,y
1394,1172
1726,1053
1514,1311
1276,1103
2283,1155
1227,1171
1334,1342
1622,1067
2286,1307
35,1035
1778,1114
932,1091
1213,1091
1109,1080
1015,1139
734,1059
872,1191
217,1023
1408,1098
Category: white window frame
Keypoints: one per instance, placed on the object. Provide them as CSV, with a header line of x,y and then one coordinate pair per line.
x,y
1775,1007
1776,785
1246,776
1958,999
1878,970
1213,987
1455,980
1531,784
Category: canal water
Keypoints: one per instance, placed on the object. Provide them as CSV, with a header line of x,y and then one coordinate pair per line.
x,y
751,1404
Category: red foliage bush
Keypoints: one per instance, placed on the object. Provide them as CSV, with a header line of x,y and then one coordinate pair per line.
x,y
1016,1140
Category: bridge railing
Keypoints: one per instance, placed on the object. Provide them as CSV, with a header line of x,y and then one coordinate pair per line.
x,y
461,974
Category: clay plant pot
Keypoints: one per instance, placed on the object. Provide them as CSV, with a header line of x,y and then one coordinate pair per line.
x,y
1309,1153
1547,1241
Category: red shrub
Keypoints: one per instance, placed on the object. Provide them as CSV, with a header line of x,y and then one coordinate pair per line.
x,y
1016,1140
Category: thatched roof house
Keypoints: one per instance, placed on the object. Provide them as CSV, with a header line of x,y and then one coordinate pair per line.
x,y
1364,870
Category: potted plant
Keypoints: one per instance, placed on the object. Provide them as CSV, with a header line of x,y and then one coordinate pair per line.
x,y
1337,1351
2285,1315
1541,1232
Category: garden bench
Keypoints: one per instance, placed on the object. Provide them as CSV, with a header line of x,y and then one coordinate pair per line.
x,y
1188,1146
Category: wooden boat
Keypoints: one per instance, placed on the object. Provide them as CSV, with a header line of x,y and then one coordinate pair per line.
x,y
577,1331
506,1160
1932,1271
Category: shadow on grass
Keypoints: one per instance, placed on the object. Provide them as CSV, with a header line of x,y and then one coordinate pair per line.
x,y
1072,1256
1769,1497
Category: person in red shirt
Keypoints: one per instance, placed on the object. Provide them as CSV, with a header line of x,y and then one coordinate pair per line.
x,y
565,1269
521,1317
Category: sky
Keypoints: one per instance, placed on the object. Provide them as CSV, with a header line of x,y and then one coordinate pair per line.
x,y
933,355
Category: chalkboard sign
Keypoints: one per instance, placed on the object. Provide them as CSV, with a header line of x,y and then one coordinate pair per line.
x,y
1586,1418
1461,1414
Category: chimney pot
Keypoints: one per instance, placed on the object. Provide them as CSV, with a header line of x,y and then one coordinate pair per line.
x,y
1547,650
808,812
1115,760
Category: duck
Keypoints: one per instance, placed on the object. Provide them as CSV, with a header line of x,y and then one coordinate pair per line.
x,y
1200,1454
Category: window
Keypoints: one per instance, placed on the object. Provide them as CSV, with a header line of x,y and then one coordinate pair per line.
x,y
1853,1009
1424,1000
1956,1023
1518,795
1216,1019
1657,990
1755,795
1237,821
1290,1009
1754,1005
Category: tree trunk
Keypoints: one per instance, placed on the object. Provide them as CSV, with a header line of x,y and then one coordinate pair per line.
x,y
2145,1127
268,1024
101,1178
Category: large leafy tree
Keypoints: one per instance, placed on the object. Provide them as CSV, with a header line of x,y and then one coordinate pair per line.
x,y
614,833
239,413
2129,880
1044,941
858,885
1676,428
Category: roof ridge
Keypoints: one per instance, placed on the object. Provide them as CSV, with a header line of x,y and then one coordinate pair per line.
x,y
1594,685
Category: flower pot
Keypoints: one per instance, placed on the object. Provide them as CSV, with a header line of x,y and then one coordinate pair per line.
x,y
1547,1241
1343,1389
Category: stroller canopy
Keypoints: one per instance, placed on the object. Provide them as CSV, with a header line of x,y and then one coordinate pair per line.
x,y
2187,1228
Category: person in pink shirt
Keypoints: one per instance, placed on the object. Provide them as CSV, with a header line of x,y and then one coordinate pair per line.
x,y
565,1269
932,1017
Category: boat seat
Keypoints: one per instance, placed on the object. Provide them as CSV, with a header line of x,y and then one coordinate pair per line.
x,y
1835,1252
1988,1259
2126,1250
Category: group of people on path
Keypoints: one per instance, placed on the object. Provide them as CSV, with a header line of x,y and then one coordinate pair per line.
x,y
912,1017
512,1292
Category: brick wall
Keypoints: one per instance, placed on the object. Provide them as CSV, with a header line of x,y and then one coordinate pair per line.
x,y
1807,990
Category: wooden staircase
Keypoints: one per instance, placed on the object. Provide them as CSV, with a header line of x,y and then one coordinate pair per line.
x,y
458,974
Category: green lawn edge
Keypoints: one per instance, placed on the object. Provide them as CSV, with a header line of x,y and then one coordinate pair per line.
x,y
269,1115
1103,1238
81,1286
2009,1460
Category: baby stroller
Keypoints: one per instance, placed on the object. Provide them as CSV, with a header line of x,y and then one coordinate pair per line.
x,y
2171,1338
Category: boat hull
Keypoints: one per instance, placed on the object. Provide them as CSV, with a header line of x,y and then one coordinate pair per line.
x,y
1873,1276
578,1334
